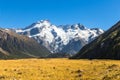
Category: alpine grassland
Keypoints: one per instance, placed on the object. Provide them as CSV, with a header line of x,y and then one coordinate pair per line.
x,y
59,69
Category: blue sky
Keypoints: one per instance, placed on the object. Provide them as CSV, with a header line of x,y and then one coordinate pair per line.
x,y
91,13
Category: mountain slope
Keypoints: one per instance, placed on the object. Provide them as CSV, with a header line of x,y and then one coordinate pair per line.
x,y
60,39
106,46
13,45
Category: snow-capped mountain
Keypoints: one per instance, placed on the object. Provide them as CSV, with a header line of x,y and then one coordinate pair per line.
x,y
60,39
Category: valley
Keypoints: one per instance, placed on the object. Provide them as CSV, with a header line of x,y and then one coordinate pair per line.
x,y
59,39
59,69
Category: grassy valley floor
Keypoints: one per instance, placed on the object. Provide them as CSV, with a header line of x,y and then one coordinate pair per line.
x,y
59,69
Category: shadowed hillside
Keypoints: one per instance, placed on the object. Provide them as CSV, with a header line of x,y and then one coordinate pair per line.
x,y
106,46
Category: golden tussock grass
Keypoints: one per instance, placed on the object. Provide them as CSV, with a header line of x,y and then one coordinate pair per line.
x,y
59,69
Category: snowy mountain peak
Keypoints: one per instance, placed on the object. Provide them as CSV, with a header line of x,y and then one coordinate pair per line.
x,y
78,26
39,24
60,39
44,22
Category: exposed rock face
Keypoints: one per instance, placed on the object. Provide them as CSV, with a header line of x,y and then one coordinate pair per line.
x,y
13,45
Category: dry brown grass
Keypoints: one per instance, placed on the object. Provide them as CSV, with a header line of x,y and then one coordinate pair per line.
x,y
59,69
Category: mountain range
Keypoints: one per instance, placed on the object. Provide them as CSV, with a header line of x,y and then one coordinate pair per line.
x,y
106,46
60,39
13,45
